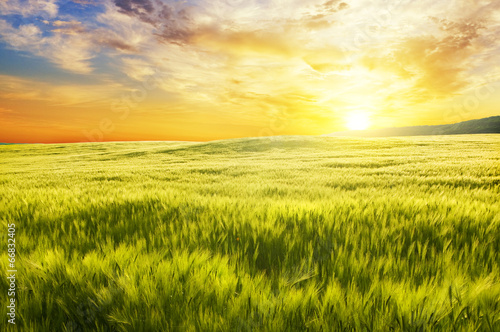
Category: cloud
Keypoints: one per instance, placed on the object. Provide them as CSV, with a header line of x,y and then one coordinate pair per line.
x,y
100,37
45,8
6,111
242,42
70,45
68,27
317,16
137,68
19,89
170,24
113,42
441,64
23,37
65,48
86,2
140,8
326,60
69,24
330,7
218,23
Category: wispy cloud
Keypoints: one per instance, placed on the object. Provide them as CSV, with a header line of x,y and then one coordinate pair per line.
x,y
65,48
45,8
21,89
87,2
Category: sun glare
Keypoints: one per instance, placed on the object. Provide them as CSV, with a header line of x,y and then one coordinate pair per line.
x,y
357,121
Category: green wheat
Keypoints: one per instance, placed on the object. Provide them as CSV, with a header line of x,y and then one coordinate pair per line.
x,y
269,234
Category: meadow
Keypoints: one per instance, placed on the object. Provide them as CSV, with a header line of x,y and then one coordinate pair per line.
x,y
265,234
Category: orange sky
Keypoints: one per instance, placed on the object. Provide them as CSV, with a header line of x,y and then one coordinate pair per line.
x,y
90,70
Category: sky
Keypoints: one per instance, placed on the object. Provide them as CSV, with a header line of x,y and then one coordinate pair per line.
x,y
199,70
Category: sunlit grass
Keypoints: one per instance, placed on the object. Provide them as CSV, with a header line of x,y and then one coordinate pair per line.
x,y
285,234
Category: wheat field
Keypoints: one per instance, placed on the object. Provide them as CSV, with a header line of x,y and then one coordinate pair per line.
x,y
266,234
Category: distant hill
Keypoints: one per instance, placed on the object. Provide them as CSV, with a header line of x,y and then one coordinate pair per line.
x,y
489,125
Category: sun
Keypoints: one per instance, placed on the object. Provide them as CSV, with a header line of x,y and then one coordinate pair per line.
x,y
357,121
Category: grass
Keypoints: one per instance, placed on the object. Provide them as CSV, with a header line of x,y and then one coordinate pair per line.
x,y
283,234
